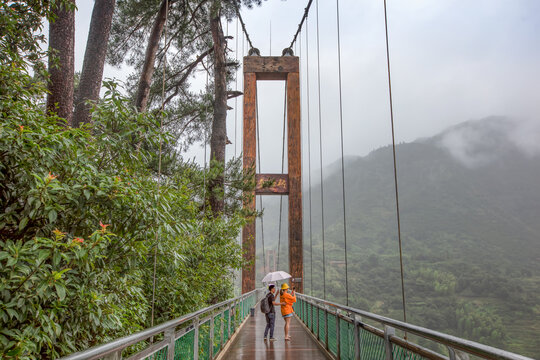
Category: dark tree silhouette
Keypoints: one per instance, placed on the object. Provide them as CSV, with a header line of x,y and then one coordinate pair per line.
x,y
218,140
94,60
61,62
145,80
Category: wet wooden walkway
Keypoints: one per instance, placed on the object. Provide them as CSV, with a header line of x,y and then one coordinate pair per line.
x,y
249,343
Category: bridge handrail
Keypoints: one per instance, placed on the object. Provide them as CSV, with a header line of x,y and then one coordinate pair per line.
x,y
451,341
120,344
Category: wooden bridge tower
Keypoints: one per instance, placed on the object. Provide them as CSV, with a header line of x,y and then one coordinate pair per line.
x,y
284,68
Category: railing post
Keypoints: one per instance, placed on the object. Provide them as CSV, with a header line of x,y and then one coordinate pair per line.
x,y
338,336
454,354
229,322
356,339
451,353
211,345
222,327
304,311
317,309
196,339
388,331
117,355
326,327
169,335
312,323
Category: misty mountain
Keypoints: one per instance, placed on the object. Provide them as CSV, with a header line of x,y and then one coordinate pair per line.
x,y
471,180
470,224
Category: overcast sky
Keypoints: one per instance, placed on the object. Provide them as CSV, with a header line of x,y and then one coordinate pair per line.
x,y
452,61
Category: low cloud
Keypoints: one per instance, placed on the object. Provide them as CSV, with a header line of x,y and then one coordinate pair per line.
x,y
481,142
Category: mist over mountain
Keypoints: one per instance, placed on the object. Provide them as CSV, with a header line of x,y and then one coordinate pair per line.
x,y
470,225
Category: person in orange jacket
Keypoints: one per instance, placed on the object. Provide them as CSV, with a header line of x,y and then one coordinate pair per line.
x,y
287,300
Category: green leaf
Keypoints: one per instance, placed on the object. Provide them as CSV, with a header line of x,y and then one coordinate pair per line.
x,y
52,216
87,194
61,291
12,313
23,223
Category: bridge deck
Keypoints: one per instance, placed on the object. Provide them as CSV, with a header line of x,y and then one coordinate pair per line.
x,y
249,343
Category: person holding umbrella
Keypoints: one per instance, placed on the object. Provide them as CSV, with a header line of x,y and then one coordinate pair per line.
x,y
287,300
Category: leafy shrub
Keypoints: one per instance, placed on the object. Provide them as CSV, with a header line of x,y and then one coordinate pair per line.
x,y
81,223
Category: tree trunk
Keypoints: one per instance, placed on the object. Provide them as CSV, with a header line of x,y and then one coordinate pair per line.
x,y
143,90
94,60
219,126
61,47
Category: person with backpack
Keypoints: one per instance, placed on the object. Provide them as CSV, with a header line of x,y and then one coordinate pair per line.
x,y
267,307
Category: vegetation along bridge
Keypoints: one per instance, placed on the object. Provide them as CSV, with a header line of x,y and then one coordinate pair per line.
x,y
320,329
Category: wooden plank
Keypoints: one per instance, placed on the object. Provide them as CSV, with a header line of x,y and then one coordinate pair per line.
x,y
295,180
271,76
280,185
250,142
271,67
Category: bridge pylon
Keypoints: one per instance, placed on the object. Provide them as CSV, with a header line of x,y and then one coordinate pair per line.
x,y
281,68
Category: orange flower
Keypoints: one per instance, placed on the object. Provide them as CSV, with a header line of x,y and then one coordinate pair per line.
x,y
51,176
103,226
21,128
59,234
78,240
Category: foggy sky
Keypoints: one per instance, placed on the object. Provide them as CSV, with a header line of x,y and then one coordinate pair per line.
x,y
451,61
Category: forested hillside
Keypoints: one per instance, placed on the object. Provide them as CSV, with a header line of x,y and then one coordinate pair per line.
x,y
470,230
470,210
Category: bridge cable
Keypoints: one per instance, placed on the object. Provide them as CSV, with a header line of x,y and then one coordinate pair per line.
x,y
205,150
158,185
304,17
321,150
395,166
259,162
242,127
309,161
282,171
236,89
243,25
342,156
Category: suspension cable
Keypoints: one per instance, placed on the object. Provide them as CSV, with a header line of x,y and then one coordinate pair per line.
x,y
304,17
321,151
309,161
243,25
242,127
205,151
158,186
342,157
259,162
236,89
395,166
282,171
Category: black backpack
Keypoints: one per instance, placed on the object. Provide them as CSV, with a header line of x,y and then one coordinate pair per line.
x,y
265,306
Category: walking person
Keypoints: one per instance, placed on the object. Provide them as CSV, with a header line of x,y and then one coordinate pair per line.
x,y
287,300
269,311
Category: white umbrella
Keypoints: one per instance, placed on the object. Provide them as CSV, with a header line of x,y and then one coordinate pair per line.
x,y
276,276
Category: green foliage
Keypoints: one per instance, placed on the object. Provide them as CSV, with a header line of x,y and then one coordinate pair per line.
x,y
21,23
82,221
479,323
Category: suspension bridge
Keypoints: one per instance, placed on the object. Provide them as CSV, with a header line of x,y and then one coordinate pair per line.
x,y
320,329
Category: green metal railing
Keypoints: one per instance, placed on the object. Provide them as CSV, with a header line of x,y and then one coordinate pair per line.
x,y
201,335
341,331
